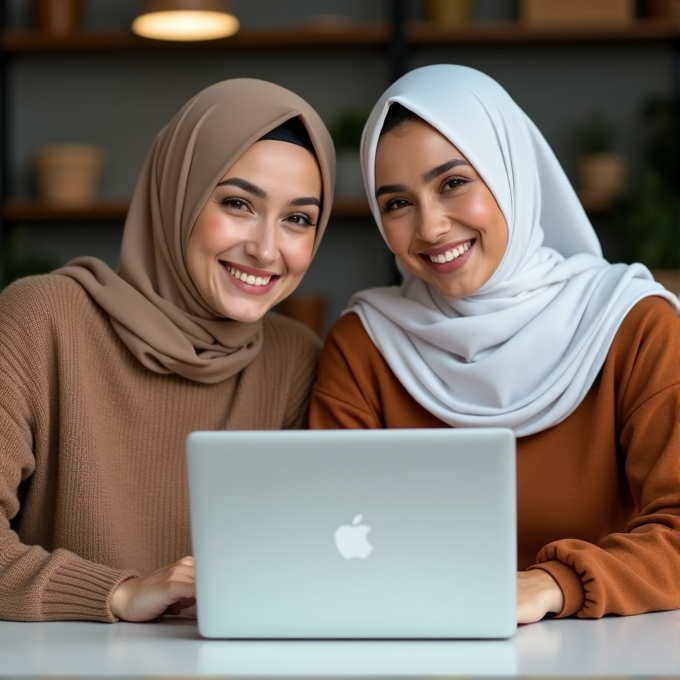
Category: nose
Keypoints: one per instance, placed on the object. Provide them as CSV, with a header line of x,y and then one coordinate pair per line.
x,y
262,241
433,223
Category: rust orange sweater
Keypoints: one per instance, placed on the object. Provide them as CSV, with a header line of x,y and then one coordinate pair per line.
x,y
598,494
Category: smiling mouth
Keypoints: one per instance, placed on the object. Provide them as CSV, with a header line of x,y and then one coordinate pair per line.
x,y
250,279
450,255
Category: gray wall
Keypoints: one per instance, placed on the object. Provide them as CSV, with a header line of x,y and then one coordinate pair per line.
x,y
120,101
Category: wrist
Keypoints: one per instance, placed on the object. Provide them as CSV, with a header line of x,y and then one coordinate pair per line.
x,y
118,599
554,599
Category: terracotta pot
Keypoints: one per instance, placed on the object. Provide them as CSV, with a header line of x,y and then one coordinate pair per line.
x,y
68,175
308,309
57,17
448,12
601,176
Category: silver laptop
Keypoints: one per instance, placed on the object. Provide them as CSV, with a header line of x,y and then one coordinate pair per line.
x,y
397,534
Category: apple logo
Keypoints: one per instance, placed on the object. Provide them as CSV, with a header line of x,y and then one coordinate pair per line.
x,y
351,539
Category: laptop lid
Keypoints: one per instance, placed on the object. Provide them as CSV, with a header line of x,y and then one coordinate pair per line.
x,y
354,533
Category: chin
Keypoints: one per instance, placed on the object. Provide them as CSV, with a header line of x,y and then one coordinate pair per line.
x,y
245,315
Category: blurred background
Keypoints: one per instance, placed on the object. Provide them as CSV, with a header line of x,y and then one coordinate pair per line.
x,y
598,77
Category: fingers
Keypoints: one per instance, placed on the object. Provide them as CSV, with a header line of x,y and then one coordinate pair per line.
x,y
169,589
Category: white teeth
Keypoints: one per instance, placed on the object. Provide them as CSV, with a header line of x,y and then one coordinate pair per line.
x,y
249,278
452,254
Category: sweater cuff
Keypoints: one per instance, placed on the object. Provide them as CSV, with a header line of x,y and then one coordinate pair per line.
x,y
570,584
81,590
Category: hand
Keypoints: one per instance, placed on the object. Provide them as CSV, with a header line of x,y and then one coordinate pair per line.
x,y
168,590
537,594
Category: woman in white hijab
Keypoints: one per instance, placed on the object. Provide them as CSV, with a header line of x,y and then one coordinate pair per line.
x,y
509,316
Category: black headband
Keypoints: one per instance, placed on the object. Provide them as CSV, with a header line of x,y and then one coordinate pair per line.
x,y
292,131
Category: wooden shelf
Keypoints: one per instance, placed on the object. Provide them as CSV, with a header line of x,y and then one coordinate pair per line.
x,y
310,36
515,32
18,210
125,41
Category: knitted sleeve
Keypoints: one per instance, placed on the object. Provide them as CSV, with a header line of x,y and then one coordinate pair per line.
x,y
637,570
36,584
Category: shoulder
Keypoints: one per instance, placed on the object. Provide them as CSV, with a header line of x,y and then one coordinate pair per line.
x,y
348,338
651,319
349,351
44,291
283,335
349,335
643,356
45,300
289,348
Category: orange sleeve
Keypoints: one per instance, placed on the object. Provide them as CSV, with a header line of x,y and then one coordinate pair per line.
x,y
637,570
342,396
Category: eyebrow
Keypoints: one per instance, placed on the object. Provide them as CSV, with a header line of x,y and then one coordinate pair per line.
x,y
245,185
426,177
444,167
261,193
307,200
389,189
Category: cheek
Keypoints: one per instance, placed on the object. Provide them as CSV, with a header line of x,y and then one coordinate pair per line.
x,y
481,210
398,240
299,251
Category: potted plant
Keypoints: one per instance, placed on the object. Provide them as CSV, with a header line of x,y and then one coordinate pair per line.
x,y
601,172
346,133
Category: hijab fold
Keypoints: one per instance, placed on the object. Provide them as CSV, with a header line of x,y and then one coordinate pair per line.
x,y
523,351
151,299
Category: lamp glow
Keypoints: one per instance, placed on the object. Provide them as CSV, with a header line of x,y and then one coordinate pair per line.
x,y
184,21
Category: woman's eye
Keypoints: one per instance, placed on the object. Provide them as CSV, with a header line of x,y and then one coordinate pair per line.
x,y
235,203
397,203
301,219
453,183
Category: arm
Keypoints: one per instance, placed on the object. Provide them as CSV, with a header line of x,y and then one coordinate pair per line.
x,y
636,570
47,582
35,584
344,389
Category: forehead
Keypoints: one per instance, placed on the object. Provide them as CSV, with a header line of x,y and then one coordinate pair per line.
x,y
271,158
416,144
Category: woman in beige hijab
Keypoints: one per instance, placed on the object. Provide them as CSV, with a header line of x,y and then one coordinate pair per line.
x,y
103,373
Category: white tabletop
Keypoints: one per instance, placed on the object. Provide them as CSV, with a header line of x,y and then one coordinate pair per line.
x,y
615,646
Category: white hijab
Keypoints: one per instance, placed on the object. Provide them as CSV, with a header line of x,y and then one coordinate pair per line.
x,y
524,350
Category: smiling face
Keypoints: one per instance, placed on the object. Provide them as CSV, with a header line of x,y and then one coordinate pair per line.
x,y
439,217
253,240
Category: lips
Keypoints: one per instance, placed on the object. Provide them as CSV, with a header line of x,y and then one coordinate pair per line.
x,y
248,279
449,257
448,252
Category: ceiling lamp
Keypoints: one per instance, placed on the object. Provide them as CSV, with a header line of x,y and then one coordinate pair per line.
x,y
185,20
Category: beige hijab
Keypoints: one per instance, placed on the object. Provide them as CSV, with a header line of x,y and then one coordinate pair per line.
x,y
153,304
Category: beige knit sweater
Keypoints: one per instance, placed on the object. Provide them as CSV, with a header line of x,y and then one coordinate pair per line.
x,y
92,472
